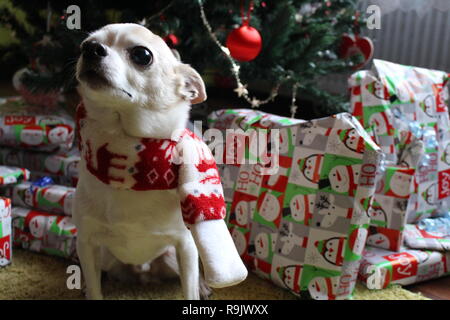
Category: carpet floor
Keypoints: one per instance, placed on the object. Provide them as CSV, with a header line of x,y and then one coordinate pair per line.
x,y
34,276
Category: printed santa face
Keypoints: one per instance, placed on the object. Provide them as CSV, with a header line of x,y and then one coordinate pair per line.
x,y
400,184
32,136
321,288
379,240
264,244
343,179
58,135
53,164
270,207
302,206
37,226
53,194
239,241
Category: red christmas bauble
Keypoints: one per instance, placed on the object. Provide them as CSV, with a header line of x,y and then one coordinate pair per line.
x,y
244,43
171,40
352,45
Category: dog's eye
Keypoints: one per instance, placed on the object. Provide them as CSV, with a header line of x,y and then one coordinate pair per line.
x,y
141,56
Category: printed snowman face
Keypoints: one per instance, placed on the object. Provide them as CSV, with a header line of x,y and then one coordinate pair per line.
x,y
340,178
301,205
379,240
263,243
400,184
32,136
270,207
53,164
239,241
37,226
58,135
360,241
242,213
378,122
318,288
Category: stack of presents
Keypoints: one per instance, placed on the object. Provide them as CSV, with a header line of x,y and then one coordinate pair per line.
x,y
312,206
351,190
38,172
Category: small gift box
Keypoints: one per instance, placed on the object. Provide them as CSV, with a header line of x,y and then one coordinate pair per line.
x,y
44,232
380,268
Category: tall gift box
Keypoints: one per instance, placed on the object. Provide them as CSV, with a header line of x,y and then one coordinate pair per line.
x,y
303,227
405,109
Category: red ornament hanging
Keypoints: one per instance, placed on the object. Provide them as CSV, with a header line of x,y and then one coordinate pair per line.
x,y
245,42
352,45
171,40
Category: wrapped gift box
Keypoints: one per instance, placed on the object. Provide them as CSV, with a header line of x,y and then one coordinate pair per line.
x,y
405,111
5,231
50,198
34,127
417,238
11,175
303,227
380,268
44,232
61,166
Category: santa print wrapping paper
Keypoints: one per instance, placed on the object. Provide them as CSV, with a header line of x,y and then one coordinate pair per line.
x,y
34,127
11,175
44,232
51,198
5,231
389,207
380,268
62,166
405,110
303,228
417,238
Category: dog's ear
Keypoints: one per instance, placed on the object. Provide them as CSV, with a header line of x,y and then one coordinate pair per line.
x,y
192,87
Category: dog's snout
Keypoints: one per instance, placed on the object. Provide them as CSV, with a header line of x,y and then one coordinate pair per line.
x,y
93,49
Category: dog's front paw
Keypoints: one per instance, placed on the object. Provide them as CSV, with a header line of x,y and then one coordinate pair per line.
x,y
205,290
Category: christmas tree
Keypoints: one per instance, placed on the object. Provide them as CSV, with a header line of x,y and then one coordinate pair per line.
x,y
301,41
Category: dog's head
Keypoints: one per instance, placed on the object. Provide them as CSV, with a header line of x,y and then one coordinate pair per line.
x,y
127,68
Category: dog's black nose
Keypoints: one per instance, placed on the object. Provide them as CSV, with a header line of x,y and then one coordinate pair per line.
x,y
93,49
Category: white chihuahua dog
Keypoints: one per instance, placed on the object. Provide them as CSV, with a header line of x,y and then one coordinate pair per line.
x,y
133,88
